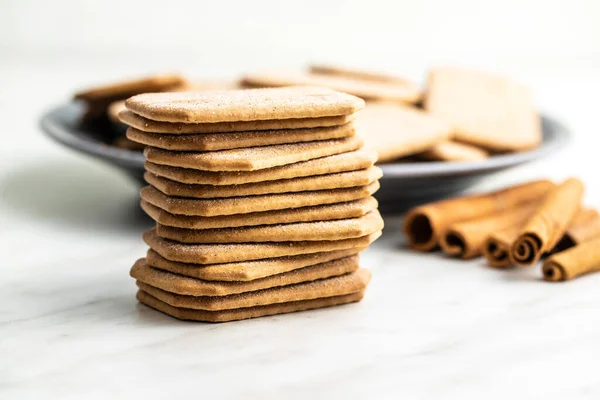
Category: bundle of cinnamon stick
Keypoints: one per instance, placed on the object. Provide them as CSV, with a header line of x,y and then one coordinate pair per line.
x,y
517,226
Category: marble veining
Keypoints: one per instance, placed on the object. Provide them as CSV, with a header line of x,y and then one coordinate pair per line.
x,y
429,326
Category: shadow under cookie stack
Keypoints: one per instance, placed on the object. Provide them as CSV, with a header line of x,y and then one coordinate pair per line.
x,y
262,198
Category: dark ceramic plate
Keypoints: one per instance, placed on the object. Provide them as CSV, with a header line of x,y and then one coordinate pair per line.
x,y
402,185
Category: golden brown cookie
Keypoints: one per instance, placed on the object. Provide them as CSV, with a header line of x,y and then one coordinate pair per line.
x,y
124,89
247,270
244,105
123,143
397,131
349,161
453,151
248,312
253,158
318,230
335,286
320,182
248,204
184,285
361,74
232,252
148,125
484,110
236,140
366,89
209,84
326,212
113,111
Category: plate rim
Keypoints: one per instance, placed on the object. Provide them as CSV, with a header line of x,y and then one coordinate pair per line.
x,y
556,134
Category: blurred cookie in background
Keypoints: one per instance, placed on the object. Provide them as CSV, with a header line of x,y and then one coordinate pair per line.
x,y
452,151
484,110
104,103
99,98
366,85
397,131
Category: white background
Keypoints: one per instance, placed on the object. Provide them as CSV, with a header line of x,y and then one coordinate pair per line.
x,y
429,327
221,37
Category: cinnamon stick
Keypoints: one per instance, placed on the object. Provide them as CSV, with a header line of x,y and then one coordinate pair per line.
x,y
466,239
549,223
425,225
496,248
581,259
585,226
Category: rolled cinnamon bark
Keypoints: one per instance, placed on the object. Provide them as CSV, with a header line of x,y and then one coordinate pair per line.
x,y
497,245
467,239
581,259
585,226
424,225
549,223
496,248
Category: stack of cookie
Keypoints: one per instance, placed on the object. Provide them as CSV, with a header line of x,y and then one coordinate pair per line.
x,y
262,198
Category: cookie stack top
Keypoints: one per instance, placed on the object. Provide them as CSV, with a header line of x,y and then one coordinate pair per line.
x,y
265,191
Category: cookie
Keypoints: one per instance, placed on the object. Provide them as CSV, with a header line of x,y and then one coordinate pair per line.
x,y
365,89
249,204
396,131
148,125
349,161
235,140
253,158
232,252
335,286
453,151
338,70
197,85
320,182
338,229
326,212
244,105
184,285
113,111
124,89
248,312
484,110
123,143
247,270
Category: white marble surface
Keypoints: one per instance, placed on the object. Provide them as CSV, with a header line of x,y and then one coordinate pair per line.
x,y
429,327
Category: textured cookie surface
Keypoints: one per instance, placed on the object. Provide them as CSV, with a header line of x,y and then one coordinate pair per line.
x,y
484,110
258,203
246,270
326,212
396,131
235,140
232,252
318,230
369,90
184,285
253,158
320,182
148,125
350,161
334,286
248,312
244,105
